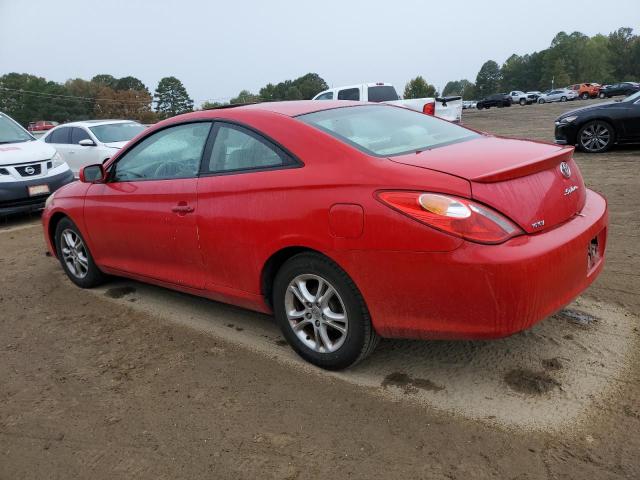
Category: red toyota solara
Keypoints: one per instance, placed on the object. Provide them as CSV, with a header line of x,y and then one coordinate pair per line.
x,y
348,221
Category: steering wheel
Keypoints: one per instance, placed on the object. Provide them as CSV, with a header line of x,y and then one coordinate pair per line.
x,y
169,169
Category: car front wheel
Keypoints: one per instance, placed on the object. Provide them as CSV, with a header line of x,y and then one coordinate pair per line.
x,y
563,99
541,100
595,137
601,95
585,96
321,312
74,256
523,102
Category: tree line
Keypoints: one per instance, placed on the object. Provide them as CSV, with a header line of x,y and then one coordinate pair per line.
x,y
27,97
571,58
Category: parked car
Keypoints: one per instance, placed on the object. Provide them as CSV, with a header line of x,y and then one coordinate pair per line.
x,y
585,90
448,108
559,95
597,128
29,170
520,97
349,221
617,89
467,104
533,96
497,100
90,141
41,125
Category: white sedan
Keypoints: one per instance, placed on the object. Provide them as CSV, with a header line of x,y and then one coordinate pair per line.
x,y
90,141
558,95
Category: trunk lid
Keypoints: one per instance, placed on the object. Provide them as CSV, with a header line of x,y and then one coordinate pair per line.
x,y
519,178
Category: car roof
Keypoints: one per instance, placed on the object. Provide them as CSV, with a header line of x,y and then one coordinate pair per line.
x,y
93,123
289,108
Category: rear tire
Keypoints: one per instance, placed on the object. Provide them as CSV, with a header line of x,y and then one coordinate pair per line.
x,y
74,256
541,101
322,313
601,95
563,99
585,96
522,102
596,136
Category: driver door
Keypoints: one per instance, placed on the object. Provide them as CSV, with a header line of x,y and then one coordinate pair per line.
x,y
142,221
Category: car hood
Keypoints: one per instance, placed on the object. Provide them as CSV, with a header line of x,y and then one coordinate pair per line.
x,y
33,151
117,145
599,106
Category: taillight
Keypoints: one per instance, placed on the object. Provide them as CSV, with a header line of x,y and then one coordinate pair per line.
x,y
429,108
454,215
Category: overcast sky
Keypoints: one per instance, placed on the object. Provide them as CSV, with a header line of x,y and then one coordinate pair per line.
x,y
218,47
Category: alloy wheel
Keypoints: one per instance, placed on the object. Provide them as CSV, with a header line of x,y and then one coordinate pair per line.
x,y
595,137
74,253
316,313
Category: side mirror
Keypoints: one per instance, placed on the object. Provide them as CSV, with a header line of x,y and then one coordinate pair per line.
x,y
92,174
87,142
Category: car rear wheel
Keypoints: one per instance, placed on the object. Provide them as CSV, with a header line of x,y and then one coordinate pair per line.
x,y
595,137
584,96
601,95
563,99
541,101
321,312
74,256
522,102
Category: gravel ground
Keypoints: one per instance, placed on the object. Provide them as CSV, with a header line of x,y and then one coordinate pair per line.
x,y
133,381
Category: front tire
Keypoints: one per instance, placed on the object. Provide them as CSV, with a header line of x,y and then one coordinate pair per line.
x,y
74,256
563,99
321,312
596,137
601,95
541,101
523,102
585,96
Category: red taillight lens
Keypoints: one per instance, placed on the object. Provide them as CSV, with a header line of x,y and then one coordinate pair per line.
x,y
454,215
429,108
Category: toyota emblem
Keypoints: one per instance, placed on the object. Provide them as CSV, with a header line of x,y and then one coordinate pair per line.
x,y
565,170
29,170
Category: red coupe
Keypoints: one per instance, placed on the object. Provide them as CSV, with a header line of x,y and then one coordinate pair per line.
x,y
348,221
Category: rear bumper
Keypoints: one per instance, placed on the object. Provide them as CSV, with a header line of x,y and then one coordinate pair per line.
x,y
14,196
481,291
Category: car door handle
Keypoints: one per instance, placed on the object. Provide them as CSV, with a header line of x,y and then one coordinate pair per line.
x,y
182,209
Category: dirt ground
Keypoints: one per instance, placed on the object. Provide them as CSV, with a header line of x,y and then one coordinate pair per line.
x,y
133,381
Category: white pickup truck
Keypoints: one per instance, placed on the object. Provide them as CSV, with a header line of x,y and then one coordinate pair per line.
x,y
447,108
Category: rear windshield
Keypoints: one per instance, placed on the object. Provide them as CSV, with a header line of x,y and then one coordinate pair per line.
x,y
116,132
11,132
386,130
382,94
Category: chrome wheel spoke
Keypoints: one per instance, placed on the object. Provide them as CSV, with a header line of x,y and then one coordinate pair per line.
x,y
324,337
342,329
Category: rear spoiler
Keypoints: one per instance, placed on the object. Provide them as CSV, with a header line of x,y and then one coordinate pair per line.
x,y
444,100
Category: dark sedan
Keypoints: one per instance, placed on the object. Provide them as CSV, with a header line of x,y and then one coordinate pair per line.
x,y
497,100
617,89
597,128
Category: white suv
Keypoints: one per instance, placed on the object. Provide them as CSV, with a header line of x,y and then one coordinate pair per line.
x,y
91,141
29,170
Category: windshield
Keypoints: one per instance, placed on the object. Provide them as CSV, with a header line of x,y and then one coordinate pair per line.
x,y
382,93
11,132
116,132
385,130
633,97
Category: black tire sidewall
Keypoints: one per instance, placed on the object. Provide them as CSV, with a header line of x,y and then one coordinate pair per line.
x,y
356,311
94,276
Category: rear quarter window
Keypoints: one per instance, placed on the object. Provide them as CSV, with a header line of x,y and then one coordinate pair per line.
x,y
349,94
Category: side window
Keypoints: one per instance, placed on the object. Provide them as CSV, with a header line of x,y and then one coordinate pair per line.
x,y
237,148
349,94
78,134
174,152
326,96
59,136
